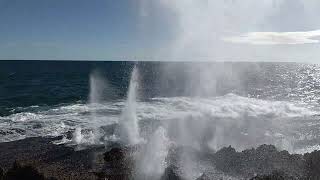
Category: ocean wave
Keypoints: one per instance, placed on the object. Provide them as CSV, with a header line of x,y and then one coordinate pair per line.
x,y
217,121
307,149
233,106
23,116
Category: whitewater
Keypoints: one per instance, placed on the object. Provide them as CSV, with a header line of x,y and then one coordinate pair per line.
x,y
238,121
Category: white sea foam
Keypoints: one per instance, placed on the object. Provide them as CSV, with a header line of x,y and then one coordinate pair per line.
x,y
25,116
307,149
234,106
198,122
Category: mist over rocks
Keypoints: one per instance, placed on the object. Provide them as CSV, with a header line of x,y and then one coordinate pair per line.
x,y
171,173
40,158
169,136
203,177
262,163
312,165
263,160
276,175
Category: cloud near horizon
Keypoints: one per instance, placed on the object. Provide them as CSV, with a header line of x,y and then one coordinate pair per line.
x,y
276,38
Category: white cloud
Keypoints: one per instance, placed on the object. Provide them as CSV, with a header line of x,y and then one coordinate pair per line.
x,y
275,38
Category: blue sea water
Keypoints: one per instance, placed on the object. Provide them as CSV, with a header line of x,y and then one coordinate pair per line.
x,y
27,83
257,103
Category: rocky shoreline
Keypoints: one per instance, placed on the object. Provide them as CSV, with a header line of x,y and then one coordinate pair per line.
x,y
39,158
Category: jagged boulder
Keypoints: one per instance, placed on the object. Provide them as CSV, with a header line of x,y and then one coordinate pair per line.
x,y
312,168
18,172
276,175
118,164
114,155
203,177
264,160
1,173
228,160
171,173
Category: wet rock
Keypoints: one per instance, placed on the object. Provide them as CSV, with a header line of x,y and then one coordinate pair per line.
x,y
37,126
312,165
228,160
110,129
2,132
171,173
19,131
1,173
276,175
115,154
118,164
18,172
49,159
63,162
203,177
264,160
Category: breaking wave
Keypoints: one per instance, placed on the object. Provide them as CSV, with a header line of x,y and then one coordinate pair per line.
x,y
191,121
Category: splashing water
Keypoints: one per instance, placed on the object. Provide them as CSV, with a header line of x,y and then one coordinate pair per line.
x,y
128,123
194,123
99,91
77,136
151,160
98,86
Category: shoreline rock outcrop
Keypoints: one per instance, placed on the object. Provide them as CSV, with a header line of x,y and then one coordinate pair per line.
x,y
40,159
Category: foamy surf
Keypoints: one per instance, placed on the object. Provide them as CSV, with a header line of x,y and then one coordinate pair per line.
x,y
216,122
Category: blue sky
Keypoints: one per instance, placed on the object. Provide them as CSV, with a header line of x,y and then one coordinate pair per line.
x,y
76,29
249,30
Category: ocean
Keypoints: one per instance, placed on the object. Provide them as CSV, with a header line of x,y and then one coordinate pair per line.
x,y
197,104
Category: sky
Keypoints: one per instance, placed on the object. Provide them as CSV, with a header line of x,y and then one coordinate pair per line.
x,y
188,30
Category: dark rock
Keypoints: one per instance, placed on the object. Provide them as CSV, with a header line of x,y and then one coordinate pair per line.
x,y
312,165
203,177
68,134
110,129
228,160
266,149
1,173
264,160
41,159
49,159
115,154
37,126
173,156
18,172
2,132
118,164
171,173
276,175
17,130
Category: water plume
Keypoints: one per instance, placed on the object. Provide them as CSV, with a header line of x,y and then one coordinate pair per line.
x,y
128,123
99,91
77,136
151,160
99,88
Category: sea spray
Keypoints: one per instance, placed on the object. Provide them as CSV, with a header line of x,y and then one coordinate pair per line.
x,y
128,123
98,88
77,136
151,160
82,138
100,92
